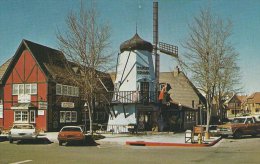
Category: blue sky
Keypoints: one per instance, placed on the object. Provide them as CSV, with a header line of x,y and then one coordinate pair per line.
x,y
38,20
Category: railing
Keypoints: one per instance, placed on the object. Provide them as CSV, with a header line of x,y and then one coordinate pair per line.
x,y
133,97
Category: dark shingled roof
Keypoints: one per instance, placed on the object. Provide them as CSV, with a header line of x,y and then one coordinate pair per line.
x,y
4,67
51,61
136,43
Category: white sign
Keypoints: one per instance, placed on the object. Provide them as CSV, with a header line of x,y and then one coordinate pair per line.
x,y
67,104
24,98
43,105
40,112
1,111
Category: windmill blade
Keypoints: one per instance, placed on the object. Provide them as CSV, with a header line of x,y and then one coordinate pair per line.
x,y
168,49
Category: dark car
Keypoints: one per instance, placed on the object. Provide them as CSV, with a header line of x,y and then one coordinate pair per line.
x,y
71,134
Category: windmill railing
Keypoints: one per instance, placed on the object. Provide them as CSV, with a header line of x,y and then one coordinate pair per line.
x,y
133,97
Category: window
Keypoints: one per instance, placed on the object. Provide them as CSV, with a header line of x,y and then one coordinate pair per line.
x,y
33,88
21,116
67,90
70,90
29,89
58,89
15,89
32,116
76,91
68,116
20,89
73,116
1,111
64,90
62,116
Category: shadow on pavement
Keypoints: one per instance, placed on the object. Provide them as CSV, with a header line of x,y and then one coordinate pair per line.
x,y
43,141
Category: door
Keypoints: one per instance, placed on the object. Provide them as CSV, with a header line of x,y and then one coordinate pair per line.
x,y
144,92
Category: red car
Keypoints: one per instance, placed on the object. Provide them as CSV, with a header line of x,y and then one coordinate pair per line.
x,y
70,134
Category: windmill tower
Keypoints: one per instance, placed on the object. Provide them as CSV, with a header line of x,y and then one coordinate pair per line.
x,y
162,47
135,97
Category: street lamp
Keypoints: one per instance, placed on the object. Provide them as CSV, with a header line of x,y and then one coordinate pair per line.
x,y
86,109
180,115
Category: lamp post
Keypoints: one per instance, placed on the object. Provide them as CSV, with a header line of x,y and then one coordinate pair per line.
x,y
86,109
180,116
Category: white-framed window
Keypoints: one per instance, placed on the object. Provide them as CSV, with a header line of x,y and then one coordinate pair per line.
x,y
1,110
62,116
21,116
58,89
33,89
70,91
67,90
29,89
32,116
15,89
73,116
64,90
76,91
20,89
68,116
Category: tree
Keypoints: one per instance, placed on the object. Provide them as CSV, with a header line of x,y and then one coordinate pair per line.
x,y
85,44
210,57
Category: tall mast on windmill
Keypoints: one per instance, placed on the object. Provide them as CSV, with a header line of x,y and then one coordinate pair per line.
x,y
163,47
155,43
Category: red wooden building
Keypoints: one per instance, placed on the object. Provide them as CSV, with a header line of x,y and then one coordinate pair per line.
x,y
34,89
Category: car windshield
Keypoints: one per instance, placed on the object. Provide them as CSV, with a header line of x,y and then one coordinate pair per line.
x,y
69,129
238,120
23,127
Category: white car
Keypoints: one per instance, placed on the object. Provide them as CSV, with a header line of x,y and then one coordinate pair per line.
x,y
22,132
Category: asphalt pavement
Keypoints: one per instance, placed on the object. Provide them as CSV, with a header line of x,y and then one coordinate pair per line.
x,y
147,139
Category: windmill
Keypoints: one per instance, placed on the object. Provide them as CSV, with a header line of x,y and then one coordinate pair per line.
x,y
165,48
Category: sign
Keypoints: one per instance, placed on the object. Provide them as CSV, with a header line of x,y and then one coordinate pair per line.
x,y
1,111
142,70
24,98
40,112
43,105
67,104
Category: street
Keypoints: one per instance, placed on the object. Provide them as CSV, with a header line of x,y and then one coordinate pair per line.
x,y
226,151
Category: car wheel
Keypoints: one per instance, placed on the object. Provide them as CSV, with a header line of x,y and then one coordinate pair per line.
x,y
83,142
11,140
60,143
237,135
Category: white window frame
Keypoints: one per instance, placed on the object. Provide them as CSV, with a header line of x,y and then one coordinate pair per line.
x,y
34,89
22,89
32,112
58,92
68,116
27,87
22,113
64,92
73,119
62,116
15,89
70,91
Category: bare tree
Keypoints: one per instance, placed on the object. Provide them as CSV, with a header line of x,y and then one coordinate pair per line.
x,y
85,45
210,57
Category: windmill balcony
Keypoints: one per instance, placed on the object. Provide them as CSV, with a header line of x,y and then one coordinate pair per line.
x,y
131,97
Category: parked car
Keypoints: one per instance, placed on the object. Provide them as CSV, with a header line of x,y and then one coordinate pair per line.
x,y
240,126
71,134
22,132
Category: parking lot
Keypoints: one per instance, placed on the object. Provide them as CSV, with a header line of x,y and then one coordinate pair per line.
x,y
228,150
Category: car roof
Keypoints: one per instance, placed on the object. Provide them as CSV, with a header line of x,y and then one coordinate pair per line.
x,y
71,127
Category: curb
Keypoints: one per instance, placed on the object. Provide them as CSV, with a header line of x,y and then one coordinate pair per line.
x,y
143,143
